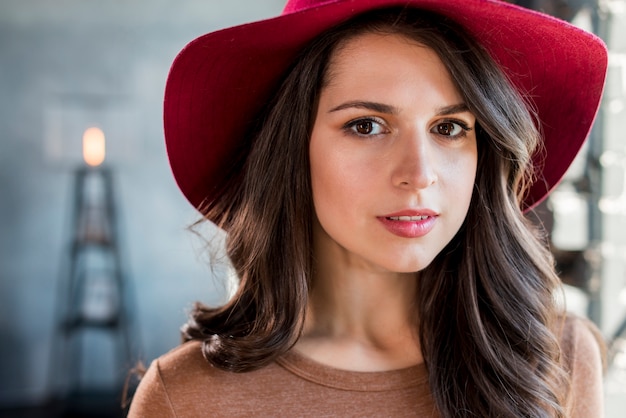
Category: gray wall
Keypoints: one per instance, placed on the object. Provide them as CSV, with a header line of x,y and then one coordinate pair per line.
x,y
65,65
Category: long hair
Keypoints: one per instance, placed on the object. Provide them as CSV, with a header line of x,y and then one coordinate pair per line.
x,y
485,306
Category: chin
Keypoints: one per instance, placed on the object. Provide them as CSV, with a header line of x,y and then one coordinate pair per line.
x,y
408,266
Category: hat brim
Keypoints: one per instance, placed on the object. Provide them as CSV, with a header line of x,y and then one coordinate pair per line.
x,y
220,81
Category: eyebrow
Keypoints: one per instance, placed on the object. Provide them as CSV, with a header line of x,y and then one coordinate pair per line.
x,y
384,108
360,104
449,110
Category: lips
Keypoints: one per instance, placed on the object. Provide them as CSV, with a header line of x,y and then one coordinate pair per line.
x,y
408,218
410,223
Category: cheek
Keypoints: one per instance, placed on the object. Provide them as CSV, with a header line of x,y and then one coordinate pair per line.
x,y
333,181
467,173
457,177
338,176
463,179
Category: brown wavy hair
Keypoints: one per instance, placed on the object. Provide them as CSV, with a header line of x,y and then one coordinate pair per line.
x,y
485,306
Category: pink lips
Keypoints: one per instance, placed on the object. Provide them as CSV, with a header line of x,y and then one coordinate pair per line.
x,y
409,223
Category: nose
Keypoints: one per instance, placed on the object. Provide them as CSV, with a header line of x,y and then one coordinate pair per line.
x,y
415,166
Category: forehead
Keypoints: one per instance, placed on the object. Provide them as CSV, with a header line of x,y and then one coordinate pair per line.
x,y
371,62
381,50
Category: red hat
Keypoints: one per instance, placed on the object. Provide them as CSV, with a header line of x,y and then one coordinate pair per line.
x,y
220,81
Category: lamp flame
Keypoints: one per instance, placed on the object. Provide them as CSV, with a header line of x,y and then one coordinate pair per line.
x,y
94,146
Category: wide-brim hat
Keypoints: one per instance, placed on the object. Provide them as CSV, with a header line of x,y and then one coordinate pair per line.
x,y
220,81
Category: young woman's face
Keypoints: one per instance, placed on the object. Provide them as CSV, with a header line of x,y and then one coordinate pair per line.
x,y
393,155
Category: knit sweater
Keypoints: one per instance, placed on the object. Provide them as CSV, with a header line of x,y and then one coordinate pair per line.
x,y
182,384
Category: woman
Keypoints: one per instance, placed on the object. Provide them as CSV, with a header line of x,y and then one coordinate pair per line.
x,y
371,162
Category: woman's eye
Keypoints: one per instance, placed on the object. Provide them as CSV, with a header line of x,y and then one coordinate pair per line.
x,y
451,129
366,127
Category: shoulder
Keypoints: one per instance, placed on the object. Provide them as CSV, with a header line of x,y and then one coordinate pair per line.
x,y
154,396
176,381
183,383
583,352
185,360
580,340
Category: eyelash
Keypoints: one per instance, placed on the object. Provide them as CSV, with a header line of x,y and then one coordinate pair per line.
x,y
350,126
460,123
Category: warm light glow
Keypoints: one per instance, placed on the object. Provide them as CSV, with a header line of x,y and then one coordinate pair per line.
x,y
93,146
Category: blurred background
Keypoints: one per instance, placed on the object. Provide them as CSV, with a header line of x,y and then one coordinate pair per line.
x,y
97,267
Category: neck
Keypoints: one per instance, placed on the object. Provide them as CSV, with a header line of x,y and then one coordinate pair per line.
x,y
359,317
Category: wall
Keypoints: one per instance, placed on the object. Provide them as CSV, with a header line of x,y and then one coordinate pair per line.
x,y
64,65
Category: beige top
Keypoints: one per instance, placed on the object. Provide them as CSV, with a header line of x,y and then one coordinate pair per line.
x,y
182,384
